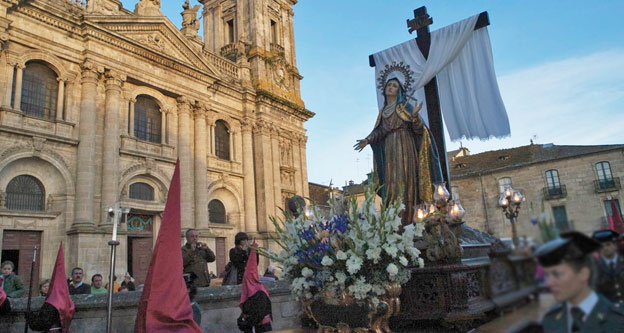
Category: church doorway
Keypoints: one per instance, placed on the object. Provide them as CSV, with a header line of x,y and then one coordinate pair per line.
x,y
140,244
18,247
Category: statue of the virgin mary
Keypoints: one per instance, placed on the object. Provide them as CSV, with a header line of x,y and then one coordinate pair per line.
x,y
406,160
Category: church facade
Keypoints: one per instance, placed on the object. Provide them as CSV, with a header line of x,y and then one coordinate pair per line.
x,y
97,103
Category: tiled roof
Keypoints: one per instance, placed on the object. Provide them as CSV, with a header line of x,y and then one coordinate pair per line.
x,y
491,161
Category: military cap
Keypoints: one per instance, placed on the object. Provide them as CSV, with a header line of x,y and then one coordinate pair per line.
x,y
570,245
605,236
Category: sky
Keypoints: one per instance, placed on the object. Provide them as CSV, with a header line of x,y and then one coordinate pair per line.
x,y
560,69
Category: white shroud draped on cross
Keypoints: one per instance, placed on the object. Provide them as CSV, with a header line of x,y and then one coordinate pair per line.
x,y
461,58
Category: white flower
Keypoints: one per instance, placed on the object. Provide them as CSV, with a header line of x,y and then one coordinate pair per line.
x,y
341,255
390,250
374,254
392,269
341,277
354,264
327,261
421,262
413,252
379,290
306,272
403,261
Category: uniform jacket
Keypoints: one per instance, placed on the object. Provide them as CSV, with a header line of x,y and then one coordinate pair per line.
x,y
195,262
610,283
604,318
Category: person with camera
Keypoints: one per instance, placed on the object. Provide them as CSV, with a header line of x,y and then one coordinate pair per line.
x,y
195,256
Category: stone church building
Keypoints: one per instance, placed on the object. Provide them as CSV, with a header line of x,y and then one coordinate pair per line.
x,y
98,102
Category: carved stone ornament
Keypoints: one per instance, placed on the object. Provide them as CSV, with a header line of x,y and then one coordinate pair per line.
x,y
148,8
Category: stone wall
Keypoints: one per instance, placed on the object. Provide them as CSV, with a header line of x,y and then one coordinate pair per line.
x,y
219,307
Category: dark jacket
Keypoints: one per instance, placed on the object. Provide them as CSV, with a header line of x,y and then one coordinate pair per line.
x,y
195,262
83,289
238,258
610,282
13,286
43,320
605,318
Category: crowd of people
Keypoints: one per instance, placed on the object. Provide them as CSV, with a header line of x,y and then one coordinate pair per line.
x,y
255,302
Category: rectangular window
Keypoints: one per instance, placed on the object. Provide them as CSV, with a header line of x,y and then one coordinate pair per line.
x,y
230,31
561,218
504,183
273,32
603,173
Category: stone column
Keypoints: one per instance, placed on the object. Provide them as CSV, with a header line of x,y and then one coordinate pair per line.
x,y
69,101
304,165
201,187
263,164
131,120
163,127
111,142
184,154
296,153
10,69
232,143
171,126
249,191
60,99
17,100
85,160
212,138
277,178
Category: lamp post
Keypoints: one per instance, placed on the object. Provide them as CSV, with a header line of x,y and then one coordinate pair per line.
x,y
115,213
510,201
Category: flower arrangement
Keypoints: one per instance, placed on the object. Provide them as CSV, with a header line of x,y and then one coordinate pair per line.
x,y
355,253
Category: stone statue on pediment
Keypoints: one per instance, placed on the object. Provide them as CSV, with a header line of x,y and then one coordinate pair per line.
x,y
190,23
148,8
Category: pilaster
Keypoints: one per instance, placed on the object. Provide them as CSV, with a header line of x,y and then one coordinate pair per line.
x,y
186,168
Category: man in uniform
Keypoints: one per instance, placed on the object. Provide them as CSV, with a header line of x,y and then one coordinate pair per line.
x,y
610,268
567,267
195,256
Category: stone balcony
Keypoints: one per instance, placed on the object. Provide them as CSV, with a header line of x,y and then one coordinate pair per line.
x,y
556,192
133,146
52,128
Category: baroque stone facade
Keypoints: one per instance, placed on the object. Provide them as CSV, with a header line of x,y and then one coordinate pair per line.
x,y
573,184
98,102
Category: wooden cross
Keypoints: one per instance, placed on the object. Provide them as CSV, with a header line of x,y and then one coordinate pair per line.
x,y
420,23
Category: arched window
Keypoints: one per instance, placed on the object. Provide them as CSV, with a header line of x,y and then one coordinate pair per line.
x,y
216,212
141,191
222,140
39,91
504,183
25,193
603,172
147,119
552,179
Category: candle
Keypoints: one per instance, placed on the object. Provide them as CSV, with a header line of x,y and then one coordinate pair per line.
x,y
420,214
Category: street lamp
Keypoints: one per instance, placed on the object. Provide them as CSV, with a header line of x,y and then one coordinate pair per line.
x,y
114,213
510,201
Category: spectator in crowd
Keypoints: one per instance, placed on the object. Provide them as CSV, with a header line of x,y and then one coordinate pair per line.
x,y
115,284
128,282
123,289
192,291
96,285
76,286
269,274
44,287
239,254
195,257
13,285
